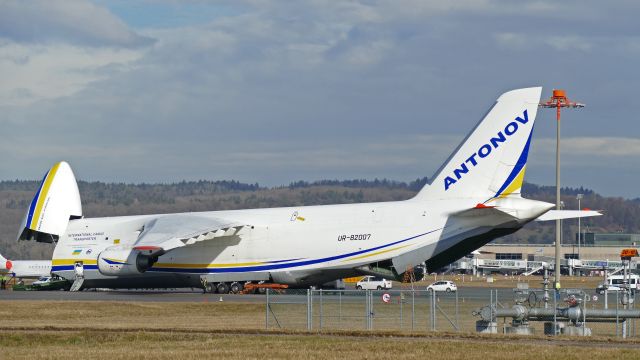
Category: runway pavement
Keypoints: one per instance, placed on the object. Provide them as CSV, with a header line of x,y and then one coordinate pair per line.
x,y
196,295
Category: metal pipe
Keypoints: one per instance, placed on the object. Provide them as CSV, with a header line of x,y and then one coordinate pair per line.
x,y
519,312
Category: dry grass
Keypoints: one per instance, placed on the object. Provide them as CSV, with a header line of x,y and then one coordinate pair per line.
x,y
126,330
146,345
153,315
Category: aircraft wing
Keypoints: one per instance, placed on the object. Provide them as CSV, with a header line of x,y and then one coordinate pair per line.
x,y
566,214
168,232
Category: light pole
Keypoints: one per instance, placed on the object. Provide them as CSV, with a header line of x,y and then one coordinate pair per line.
x,y
558,100
579,197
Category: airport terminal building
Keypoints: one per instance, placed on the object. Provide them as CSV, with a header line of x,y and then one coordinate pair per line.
x,y
597,251
593,246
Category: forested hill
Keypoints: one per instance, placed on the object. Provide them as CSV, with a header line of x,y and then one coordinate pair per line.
x,y
110,199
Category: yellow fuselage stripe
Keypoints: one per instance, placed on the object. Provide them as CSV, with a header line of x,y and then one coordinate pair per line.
x,y
57,262
375,253
156,265
43,196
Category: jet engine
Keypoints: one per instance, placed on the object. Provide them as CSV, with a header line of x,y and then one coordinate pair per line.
x,y
124,262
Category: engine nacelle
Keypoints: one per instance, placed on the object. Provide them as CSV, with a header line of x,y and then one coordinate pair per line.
x,y
124,262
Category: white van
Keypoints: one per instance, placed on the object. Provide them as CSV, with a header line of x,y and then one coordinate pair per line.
x,y
615,282
373,283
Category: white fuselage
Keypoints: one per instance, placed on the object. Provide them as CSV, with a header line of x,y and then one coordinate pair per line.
x,y
295,245
28,268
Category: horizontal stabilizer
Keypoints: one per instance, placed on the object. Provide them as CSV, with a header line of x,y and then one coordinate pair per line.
x,y
566,214
484,212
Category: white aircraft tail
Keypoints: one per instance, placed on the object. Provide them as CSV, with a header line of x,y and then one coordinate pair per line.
x,y
55,203
491,161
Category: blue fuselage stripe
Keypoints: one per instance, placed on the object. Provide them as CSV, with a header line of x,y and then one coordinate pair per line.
x,y
32,207
522,161
273,266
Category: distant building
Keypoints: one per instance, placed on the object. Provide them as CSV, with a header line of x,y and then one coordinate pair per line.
x,y
610,239
596,251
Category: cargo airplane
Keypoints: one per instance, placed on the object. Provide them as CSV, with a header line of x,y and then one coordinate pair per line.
x,y
473,199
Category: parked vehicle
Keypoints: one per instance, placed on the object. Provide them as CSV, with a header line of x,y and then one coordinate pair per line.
x,y
373,283
43,280
447,286
44,283
334,285
615,282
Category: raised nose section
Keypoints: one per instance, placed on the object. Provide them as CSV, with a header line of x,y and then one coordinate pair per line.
x,y
54,204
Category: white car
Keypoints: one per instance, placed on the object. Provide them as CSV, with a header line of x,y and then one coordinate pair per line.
x,y
42,280
447,286
373,283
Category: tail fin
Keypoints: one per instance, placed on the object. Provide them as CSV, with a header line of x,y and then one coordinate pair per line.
x,y
55,203
491,161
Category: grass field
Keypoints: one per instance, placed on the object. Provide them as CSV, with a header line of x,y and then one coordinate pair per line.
x,y
126,330
168,345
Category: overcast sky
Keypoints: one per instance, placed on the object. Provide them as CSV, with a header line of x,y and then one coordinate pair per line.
x,y
277,91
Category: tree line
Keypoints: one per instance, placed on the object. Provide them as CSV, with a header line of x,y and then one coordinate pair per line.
x,y
111,199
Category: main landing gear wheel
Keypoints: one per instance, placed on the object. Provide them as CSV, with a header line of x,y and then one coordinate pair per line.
x,y
236,287
223,288
210,288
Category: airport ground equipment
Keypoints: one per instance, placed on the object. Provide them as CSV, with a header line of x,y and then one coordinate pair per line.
x,y
252,288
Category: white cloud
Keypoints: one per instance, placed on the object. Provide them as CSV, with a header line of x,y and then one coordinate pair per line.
x,y
569,43
271,93
32,72
53,49
528,41
589,147
68,21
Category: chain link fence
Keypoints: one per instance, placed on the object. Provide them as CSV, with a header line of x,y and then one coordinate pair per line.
x,y
408,310
419,310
